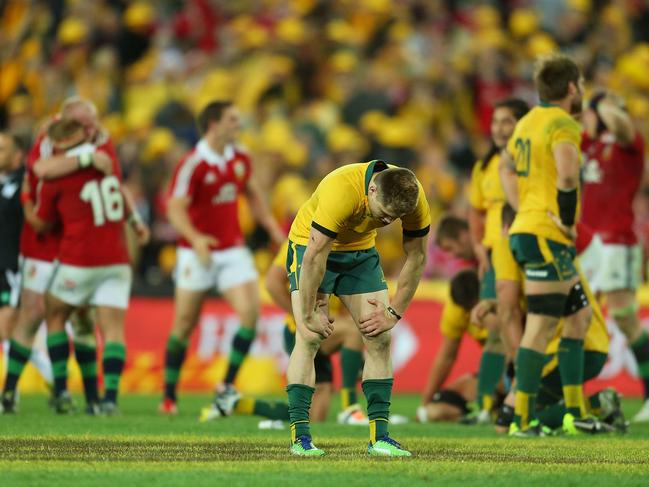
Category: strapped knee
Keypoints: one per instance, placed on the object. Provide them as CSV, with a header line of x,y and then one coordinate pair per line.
x,y
577,300
551,304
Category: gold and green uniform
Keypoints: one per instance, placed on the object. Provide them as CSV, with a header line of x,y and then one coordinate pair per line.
x,y
339,209
456,321
537,243
486,194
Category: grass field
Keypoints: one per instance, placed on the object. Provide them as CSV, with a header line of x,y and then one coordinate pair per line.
x,y
139,447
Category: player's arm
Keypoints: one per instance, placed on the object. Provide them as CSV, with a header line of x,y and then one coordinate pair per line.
x,y
566,156
441,368
178,214
262,213
476,231
410,275
314,264
76,158
507,171
616,120
42,215
277,287
133,217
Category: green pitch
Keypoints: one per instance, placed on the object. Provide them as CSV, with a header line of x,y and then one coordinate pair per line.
x,y
142,448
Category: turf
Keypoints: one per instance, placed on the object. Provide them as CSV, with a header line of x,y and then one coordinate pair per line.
x,y
139,447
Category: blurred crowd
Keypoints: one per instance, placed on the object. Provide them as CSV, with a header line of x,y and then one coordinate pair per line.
x,y
319,83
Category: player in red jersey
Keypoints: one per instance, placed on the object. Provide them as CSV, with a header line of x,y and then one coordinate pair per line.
x,y
203,207
612,259
93,264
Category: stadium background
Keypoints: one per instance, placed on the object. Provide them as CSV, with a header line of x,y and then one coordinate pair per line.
x,y
319,84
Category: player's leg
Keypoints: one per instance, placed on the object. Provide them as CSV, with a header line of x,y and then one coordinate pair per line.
x,y
377,375
301,379
193,280
57,313
85,352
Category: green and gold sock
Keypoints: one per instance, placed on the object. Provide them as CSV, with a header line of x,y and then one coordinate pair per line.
x,y
492,366
18,357
571,369
640,350
351,362
240,347
299,403
114,358
529,367
173,362
257,407
378,393
58,347
87,359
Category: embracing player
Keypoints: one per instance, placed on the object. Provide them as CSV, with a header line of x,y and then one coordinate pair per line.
x,y
203,208
612,259
332,251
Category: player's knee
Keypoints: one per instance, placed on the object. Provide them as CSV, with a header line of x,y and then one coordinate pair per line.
x,y
379,343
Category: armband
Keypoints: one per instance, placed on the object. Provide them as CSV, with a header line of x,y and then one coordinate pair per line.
x,y
567,201
24,198
393,312
85,159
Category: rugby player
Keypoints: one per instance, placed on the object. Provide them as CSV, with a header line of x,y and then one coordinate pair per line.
x,y
541,169
38,252
92,268
331,251
203,208
612,260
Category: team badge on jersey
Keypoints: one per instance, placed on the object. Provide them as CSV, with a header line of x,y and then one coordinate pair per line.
x,y
239,169
210,178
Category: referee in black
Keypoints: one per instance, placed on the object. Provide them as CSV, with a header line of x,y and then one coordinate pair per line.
x,y
12,154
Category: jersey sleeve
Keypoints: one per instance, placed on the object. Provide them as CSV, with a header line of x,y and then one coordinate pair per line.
x,y
475,193
417,223
186,178
564,130
455,321
46,201
336,204
109,149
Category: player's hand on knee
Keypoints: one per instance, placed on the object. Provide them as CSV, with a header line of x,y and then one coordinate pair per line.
x,y
201,245
319,322
378,320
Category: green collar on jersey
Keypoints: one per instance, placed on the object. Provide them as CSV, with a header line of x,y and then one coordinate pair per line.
x,y
373,166
546,104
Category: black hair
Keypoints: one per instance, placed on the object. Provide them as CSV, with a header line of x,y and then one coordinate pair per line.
x,y
519,109
465,289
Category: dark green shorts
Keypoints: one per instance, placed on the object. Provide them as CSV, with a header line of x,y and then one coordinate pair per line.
x,y
542,259
322,363
349,272
488,283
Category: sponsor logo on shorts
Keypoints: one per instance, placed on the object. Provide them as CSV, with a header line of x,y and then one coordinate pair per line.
x,y
187,272
69,284
31,272
536,273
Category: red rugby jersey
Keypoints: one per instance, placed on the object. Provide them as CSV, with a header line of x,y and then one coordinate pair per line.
x,y
213,183
611,176
90,209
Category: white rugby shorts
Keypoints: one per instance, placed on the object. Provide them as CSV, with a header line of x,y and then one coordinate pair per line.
x,y
96,286
35,274
611,267
229,268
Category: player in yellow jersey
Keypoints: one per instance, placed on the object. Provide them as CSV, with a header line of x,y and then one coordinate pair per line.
x,y
487,197
332,252
544,155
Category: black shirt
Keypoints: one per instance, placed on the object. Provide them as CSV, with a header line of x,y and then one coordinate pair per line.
x,y
11,218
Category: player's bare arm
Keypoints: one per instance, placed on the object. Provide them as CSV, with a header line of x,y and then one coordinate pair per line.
x,y
476,231
314,264
262,213
133,217
442,365
179,218
277,287
507,170
63,164
616,120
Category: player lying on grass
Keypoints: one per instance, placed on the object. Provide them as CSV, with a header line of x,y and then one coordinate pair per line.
x,y
93,264
332,251
346,339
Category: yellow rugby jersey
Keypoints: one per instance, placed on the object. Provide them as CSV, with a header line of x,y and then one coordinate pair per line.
x,y
531,145
486,194
339,209
456,321
335,305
